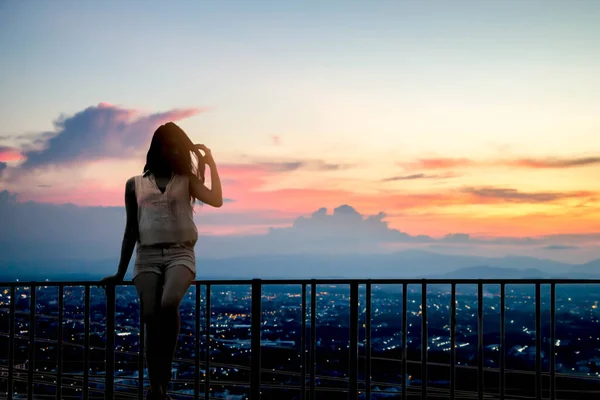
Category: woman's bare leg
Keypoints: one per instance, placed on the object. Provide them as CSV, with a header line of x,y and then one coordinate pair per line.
x,y
177,282
150,289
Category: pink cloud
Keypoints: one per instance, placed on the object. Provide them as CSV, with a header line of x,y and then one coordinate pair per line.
x,y
438,163
8,154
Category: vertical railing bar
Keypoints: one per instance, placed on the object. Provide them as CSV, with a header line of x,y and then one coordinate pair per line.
x,y
86,341
11,343
404,341
207,329
110,342
303,344
313,337
354,340
424,340
141,356
502,339
452,341
197,343
480,380
538,342
59,342
255,339
31,356
552,341
368,342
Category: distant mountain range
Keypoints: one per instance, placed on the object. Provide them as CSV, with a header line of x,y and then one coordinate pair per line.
x,y
403,264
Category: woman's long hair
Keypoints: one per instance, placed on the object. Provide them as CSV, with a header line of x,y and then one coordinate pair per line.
x,y
171,139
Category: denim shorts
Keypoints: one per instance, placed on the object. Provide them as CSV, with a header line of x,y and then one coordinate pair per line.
x,y
158,259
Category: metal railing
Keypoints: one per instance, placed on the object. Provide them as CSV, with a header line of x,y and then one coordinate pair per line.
x,y
308,361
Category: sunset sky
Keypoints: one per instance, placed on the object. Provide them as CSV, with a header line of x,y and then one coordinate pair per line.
x,y
474,124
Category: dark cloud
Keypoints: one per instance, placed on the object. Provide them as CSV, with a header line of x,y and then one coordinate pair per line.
x,y
513,195
343,228
456,238
281,166
225,201
53,222
289,166
323,166
416,177
560,247
570,237
98,132
555,162
3,166
527,162
407,177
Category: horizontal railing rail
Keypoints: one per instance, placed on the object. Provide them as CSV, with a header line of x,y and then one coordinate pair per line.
x,y
308,387
327,281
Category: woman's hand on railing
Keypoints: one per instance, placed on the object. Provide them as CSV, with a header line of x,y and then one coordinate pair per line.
x,y
111,280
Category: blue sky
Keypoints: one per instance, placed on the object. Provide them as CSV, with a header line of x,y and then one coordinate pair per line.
x,y
234,53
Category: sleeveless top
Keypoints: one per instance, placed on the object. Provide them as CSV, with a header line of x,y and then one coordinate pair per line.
x,y
165,218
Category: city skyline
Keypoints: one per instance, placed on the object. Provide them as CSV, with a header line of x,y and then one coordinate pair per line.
x,y
395,326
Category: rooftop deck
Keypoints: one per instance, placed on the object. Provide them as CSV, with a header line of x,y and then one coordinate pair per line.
x,y
22,377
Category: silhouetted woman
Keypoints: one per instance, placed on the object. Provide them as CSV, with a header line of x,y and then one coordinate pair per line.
x,y
159,206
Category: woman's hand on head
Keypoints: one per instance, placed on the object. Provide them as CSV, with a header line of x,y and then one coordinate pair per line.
x,y
208,158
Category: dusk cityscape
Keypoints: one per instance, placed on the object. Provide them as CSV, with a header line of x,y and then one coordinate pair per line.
x,y
577,340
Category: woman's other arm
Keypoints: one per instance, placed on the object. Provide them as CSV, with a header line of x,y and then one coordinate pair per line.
x,y
130,236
